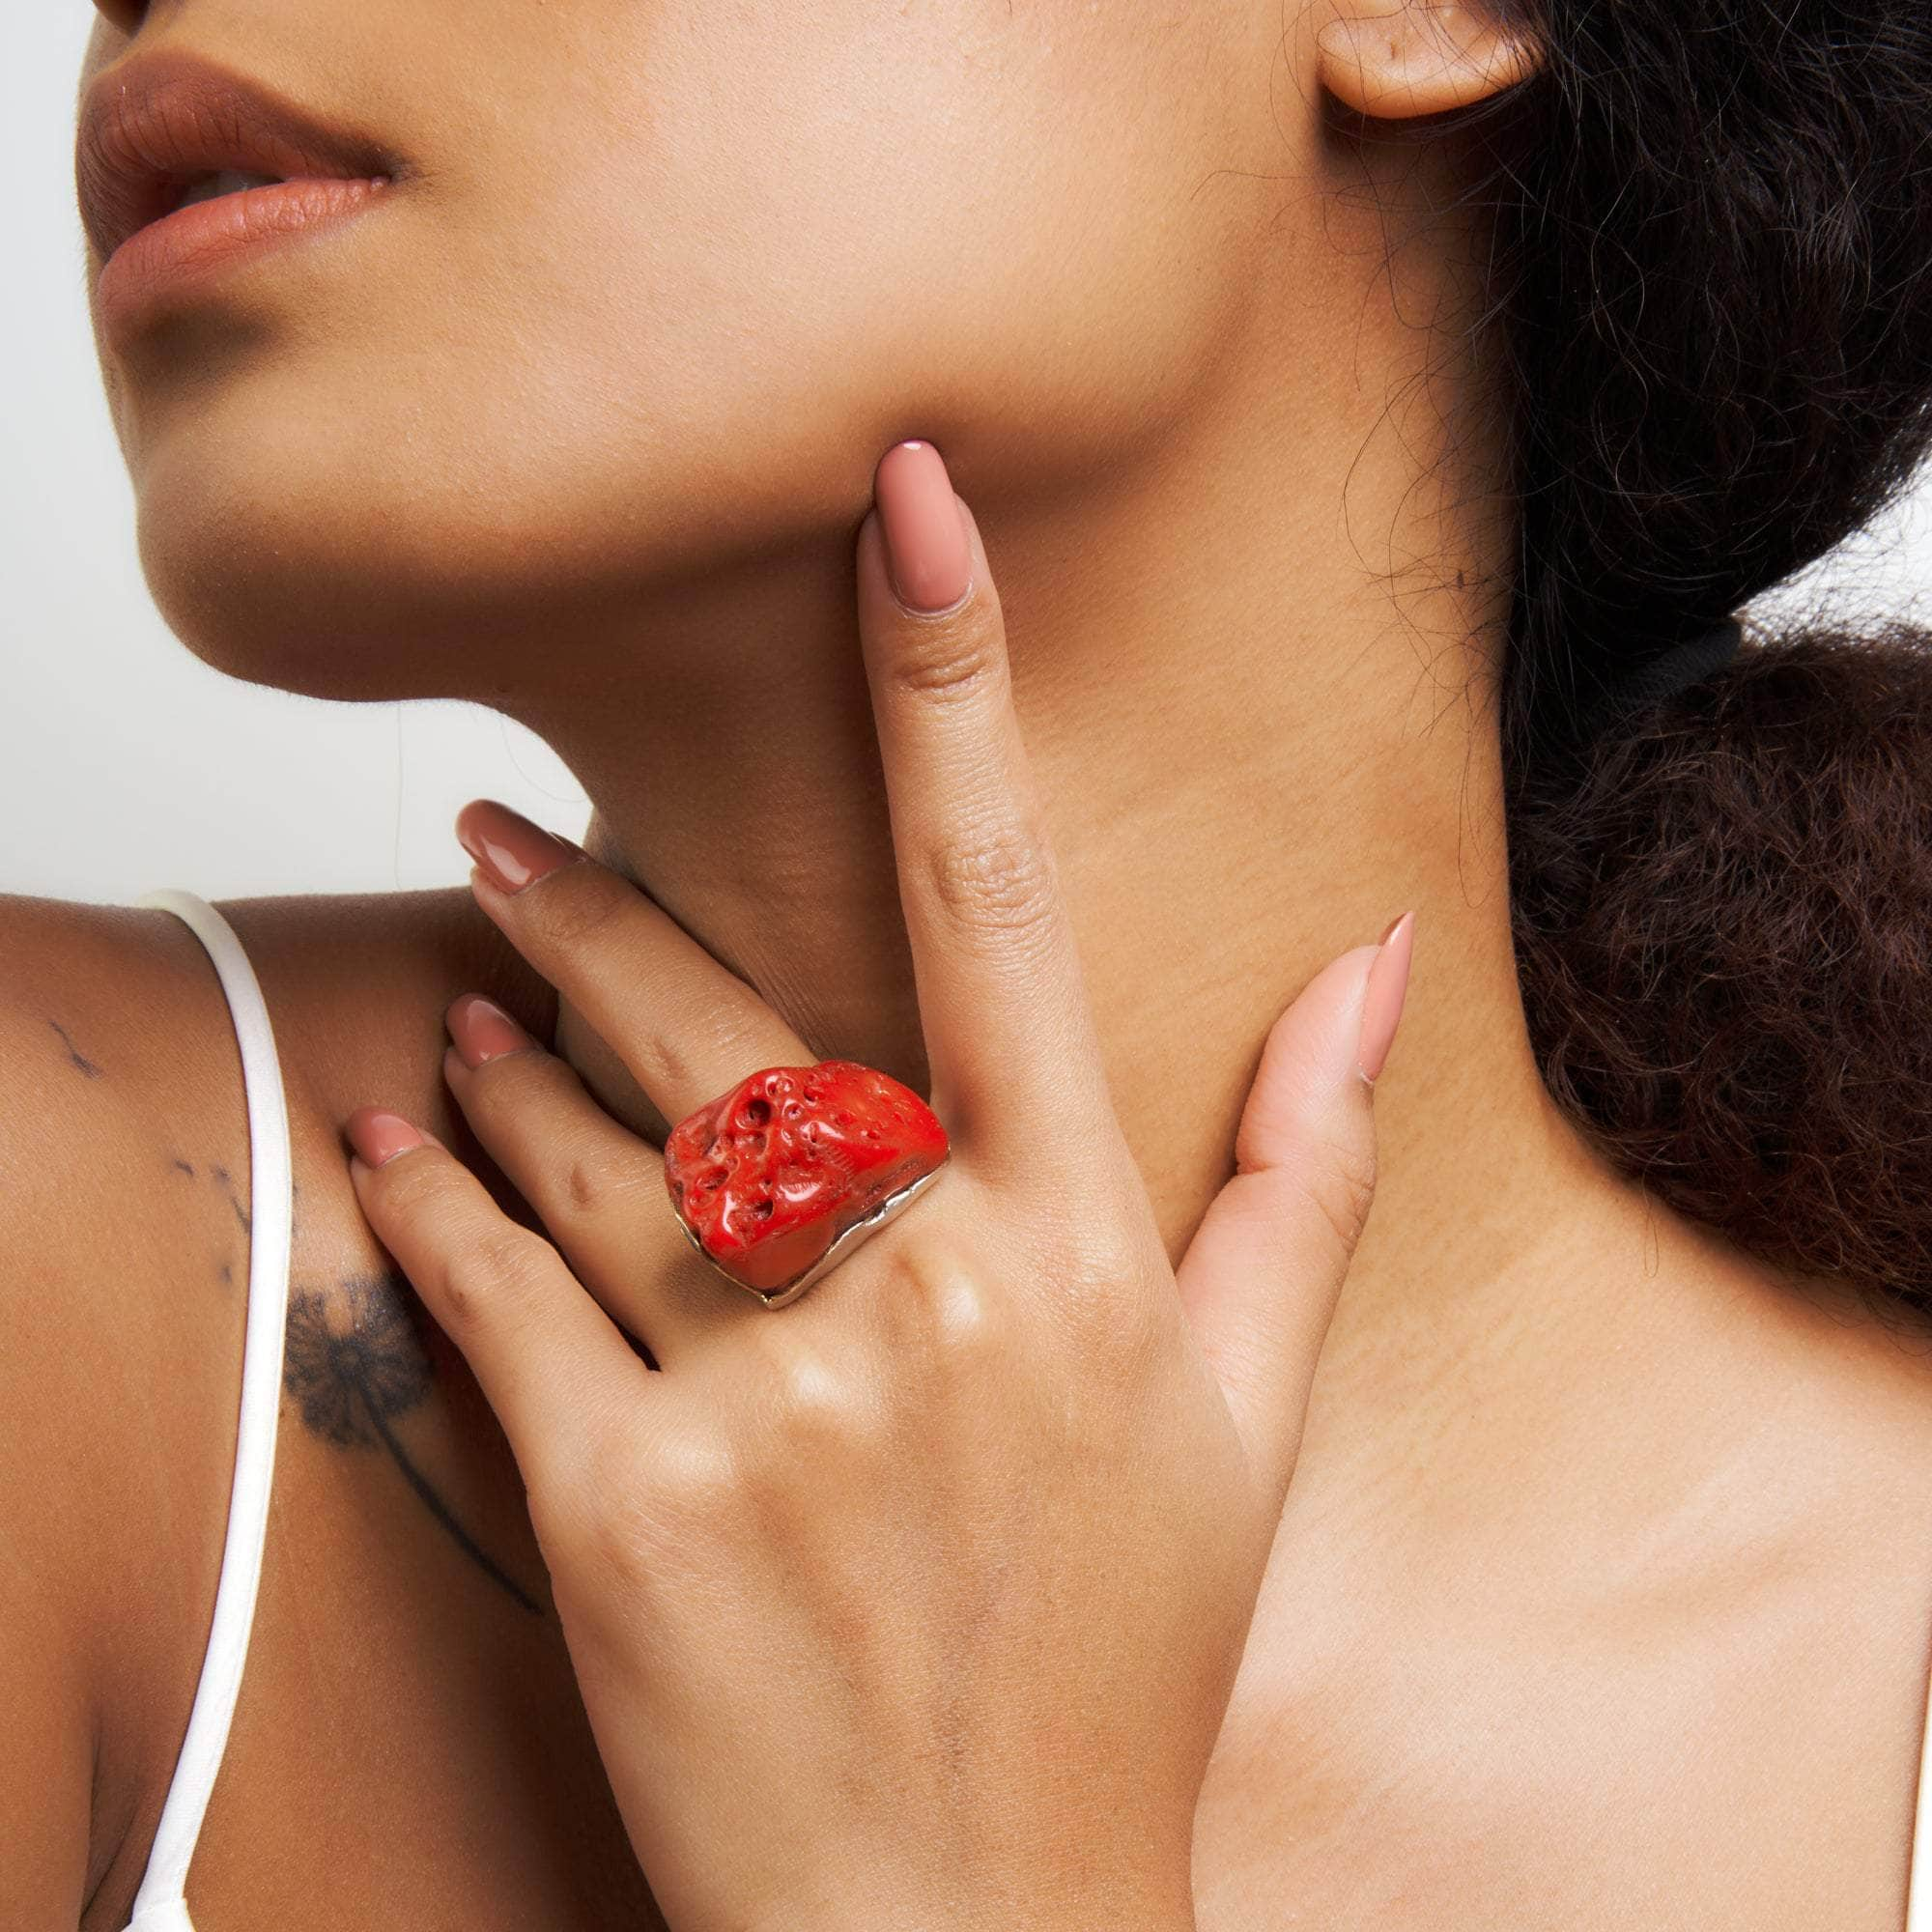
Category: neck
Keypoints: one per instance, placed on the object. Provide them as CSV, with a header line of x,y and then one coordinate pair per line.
x,y
1251,760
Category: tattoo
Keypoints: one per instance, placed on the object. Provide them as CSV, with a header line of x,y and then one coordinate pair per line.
x,y
351,1382
227,1187
345,1377
74,1055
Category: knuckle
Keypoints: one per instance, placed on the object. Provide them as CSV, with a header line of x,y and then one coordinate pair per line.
x,y
954,659
580,908
475,1280
685,1057
1101,1302
809,1406
1000,881
945,1311
565,1500
588,1187
1337,1180
628,1531
967,1322
689,1477
596,1184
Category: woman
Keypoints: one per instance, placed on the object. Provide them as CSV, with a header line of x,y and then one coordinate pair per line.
x,y
1354,403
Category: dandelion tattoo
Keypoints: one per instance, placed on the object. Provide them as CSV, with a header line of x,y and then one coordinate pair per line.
x,y
350,1381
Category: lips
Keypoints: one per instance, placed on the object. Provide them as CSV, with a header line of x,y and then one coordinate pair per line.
x,y
155,128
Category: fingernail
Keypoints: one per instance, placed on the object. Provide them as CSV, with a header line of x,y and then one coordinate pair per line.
x,y
482,1030
928,554
1382,1001
513,852
379,1135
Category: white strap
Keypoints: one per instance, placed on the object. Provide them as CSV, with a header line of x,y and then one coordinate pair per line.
x,y
167,1914
159,1904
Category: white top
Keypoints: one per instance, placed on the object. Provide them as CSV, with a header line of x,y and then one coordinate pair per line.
x,y
160,1905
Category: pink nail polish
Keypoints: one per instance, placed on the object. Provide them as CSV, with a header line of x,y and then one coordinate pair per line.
x,y
379,1135
1382,1001
512,852
928,555
483,1031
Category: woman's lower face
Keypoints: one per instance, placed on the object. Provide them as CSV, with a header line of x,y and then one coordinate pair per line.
x,y
651,287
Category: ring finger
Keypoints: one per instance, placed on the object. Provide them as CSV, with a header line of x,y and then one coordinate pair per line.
x,y
598,1189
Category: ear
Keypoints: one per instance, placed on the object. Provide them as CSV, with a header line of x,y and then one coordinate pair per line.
x,y
1394,59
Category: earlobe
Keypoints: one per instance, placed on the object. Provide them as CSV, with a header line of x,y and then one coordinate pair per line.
x,y
1414,58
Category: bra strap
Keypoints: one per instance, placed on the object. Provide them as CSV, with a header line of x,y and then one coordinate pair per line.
x,y
270,1203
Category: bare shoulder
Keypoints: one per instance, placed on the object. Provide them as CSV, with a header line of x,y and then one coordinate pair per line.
x,y
125,1184
127,1087
116,1041
125,1218
117,1035
111,1293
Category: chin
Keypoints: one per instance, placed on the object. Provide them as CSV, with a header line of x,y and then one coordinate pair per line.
x,y
376,550
325,585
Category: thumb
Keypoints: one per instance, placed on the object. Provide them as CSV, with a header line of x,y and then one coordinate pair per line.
x,y
1259,1280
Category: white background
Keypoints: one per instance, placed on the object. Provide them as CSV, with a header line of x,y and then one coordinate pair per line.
x,y
125,763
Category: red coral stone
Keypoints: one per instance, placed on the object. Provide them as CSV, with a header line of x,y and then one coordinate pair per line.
x,y
771,1174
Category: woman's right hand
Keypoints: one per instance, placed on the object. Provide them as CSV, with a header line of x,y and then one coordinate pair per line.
x,y
917,1602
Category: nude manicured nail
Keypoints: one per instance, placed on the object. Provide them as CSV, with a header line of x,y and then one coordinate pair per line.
x,y
513,852
482,1030
928,555
379,1135
1382,1001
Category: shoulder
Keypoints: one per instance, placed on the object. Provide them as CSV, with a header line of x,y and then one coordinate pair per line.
x,y
104,1026
123,1235
123,1046
125,1190
123,1060
112,1032
125,1167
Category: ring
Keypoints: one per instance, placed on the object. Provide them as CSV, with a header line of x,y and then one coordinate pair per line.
x,y
781,1180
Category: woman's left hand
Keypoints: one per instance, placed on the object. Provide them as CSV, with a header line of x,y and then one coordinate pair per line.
x,y
917,1602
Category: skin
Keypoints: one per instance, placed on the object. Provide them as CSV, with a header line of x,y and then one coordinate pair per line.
x,y
1067,1458
1602,1588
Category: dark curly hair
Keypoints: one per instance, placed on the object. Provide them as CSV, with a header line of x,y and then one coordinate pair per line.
x,y
1713,297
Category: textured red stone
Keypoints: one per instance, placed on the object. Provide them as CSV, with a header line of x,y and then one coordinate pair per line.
x,y
771,1174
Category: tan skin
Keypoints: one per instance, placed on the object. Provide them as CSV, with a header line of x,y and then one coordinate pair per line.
x,y
1598,1598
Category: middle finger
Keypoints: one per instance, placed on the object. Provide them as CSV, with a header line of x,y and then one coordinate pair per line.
x,y
1010,1036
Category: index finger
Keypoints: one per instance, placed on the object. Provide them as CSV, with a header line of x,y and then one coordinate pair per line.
x,y
1010,1034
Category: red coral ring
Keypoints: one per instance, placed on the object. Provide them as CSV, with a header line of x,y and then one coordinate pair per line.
x,y
781,1180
